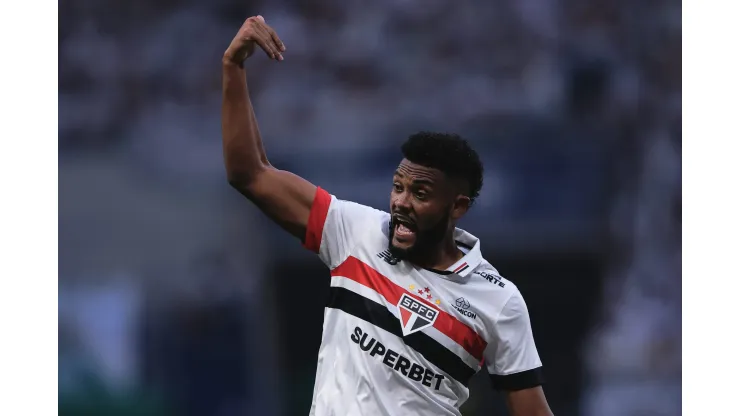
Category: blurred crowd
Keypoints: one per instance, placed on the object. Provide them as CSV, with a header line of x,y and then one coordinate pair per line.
x,y
574,105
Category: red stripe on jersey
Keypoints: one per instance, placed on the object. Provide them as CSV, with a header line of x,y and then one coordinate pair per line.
x,y
355,269
460,267
316,220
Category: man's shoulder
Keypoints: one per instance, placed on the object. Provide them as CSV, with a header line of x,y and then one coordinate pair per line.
x,y
487,272
490,289
358,222
360,211
348,228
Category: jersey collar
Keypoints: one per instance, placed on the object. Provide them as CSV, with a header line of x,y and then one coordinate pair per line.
x,y
471,259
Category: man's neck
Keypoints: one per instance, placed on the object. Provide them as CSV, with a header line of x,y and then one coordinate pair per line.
x,y
440,257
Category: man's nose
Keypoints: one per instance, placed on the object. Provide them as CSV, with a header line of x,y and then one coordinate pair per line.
x,y
402,202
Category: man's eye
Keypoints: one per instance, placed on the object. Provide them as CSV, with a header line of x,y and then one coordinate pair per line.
x,y
397,187
421,195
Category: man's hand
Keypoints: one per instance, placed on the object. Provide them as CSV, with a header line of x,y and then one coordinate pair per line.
x,y
254,31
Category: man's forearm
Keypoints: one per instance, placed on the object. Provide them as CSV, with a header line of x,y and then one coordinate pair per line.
x,y
244,155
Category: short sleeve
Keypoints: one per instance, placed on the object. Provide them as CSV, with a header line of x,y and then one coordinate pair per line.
x,y
335,226
511,358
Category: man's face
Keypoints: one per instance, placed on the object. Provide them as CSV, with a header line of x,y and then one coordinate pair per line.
x,y
425,203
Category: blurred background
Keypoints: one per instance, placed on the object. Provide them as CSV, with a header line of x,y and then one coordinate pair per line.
x,y
177,297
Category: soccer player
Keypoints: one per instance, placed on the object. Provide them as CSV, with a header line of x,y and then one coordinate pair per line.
x,y
414,309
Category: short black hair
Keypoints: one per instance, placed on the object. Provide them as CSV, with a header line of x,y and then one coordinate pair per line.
x,y
448,153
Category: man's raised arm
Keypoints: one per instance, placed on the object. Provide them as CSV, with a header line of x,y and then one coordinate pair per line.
x,y
283,196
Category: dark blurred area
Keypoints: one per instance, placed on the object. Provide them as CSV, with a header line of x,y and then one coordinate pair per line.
x,y
177,297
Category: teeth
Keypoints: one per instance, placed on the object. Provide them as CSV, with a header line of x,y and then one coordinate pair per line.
x,y
402,228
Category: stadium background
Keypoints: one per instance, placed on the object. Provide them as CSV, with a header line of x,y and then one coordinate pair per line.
x,y
177,297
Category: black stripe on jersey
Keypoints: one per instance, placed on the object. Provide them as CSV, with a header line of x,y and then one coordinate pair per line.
x,y
519,381
378,315
442,272
463,245
447,272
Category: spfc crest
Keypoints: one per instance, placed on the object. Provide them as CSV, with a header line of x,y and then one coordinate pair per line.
x,y
415,315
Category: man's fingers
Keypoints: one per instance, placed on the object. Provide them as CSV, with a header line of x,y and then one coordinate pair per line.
x,y
257,34
265,34
266,46
262,34
279,43
266,43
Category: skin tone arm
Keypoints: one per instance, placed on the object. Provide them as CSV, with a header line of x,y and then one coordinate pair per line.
x,y
528,402
282,196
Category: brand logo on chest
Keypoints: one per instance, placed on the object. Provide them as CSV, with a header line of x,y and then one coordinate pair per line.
x,y
463,305
388,257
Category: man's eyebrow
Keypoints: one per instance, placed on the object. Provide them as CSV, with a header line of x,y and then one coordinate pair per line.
x,y
418,181
423,181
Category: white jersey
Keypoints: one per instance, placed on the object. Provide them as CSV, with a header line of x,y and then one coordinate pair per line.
x,y
403,340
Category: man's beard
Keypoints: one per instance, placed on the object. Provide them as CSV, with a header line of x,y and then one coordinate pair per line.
x,y
426,240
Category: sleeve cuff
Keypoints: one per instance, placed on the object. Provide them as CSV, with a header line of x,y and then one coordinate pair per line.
x,y
519,381
316,220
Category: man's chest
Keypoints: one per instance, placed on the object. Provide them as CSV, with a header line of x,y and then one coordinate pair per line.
x,y
420,314
420,300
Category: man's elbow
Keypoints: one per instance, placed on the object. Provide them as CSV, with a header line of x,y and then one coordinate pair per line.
x,y
238,180
245,181
240,177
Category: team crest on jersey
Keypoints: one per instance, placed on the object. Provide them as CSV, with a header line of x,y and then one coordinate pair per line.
x,y
415,315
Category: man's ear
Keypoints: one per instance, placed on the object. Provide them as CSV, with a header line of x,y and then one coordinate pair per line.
x,y
460,206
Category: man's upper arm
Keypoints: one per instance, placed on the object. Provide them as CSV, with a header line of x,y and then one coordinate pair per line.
x,y
513,362
284,197
512,359
528,402
326,225
335,226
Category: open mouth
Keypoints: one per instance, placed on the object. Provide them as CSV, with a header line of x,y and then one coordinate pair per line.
x,y
404,228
